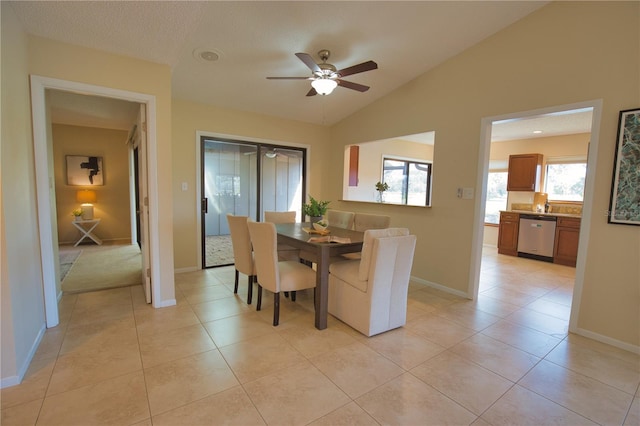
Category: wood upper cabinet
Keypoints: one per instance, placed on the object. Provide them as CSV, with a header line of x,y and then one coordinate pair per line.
x,y
524,172
508,233
565,249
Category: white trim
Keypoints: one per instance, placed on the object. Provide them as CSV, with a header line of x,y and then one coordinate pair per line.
x,y
608,340
589,190
439,287
184,270
17,379
39,85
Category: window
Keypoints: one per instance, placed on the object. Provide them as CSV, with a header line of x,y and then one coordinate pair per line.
x,y
496,196
409,181
565,180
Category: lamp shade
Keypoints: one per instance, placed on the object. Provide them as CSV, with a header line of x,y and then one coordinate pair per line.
x,y
324,86
86,196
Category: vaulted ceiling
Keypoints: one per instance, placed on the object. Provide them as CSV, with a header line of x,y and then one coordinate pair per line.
x,y
256,39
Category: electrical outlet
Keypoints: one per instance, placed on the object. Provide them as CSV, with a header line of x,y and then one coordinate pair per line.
x,y
185,186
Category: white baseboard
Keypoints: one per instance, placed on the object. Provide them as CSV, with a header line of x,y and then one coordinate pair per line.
x,y
608,340
440,287
166,303
17,379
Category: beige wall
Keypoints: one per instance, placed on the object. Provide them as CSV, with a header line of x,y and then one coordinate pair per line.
x,y
188,118
21,299
551,146
370,164
564,53
112,206
73,63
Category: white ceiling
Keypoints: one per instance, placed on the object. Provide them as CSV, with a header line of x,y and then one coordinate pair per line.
x,y
256,39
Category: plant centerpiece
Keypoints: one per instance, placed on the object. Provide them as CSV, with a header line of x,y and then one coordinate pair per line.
x,y
381,187
315,209
77,213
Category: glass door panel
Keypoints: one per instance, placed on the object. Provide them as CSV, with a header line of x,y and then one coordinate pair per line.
x,y
244,179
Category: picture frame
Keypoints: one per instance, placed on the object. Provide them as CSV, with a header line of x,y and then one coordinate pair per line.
x,y
84,170
624,206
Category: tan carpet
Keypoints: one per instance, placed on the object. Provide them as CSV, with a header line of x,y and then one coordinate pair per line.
x,y
219,250
102,267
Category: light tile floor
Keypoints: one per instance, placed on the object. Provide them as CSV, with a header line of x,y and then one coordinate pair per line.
x,y
503,359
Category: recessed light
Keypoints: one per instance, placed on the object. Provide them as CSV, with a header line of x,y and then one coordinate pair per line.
x,y
207,55
537,132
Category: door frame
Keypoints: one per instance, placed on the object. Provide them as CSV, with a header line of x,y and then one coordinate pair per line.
x,y
43,169
198,190
587,207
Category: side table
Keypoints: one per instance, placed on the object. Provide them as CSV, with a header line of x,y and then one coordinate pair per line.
x,y
87,227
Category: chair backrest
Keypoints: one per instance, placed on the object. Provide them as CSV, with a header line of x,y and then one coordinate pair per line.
x,y
241,242
368,247
280,217
340,219
265,252
364,221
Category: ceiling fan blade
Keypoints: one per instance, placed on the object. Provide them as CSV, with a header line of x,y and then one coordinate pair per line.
x,y
312,92
353,86
308,61
289,78
365,66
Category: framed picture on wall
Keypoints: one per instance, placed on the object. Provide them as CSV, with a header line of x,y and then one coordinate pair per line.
x,y
625,188
84,170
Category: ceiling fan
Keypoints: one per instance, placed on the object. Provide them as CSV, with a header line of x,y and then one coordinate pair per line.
x,y
327,77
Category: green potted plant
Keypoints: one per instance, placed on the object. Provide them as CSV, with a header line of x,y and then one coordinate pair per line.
x,y
315,209
77,213
381,187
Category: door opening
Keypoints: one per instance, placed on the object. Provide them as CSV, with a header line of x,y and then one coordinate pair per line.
x,y
246,179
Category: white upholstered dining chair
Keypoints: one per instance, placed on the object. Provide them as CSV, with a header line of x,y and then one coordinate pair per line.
x,y
370,294
242,251
274,275
364,221
340,219
285,252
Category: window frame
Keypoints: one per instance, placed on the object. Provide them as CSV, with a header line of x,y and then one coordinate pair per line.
x,y
405,183
564,160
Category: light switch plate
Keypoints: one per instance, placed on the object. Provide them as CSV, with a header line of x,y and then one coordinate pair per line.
x,y
467,193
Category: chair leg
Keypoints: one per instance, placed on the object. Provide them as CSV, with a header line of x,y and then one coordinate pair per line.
x,y
250,290
235,287
259,304
276,309
293,296
286,294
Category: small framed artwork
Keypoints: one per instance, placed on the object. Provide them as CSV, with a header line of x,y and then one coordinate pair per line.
x,y
83,170
624,207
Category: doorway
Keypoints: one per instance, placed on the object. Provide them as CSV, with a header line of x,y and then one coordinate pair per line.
x,y
45,199
480,205
244,178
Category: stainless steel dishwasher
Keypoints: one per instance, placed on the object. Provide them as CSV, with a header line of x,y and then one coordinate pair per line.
x,y
536,236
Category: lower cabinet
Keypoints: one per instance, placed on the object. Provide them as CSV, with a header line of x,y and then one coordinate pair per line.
x,y
508,233
565,249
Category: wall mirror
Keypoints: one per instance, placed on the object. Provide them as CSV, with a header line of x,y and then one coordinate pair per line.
x,y
404,163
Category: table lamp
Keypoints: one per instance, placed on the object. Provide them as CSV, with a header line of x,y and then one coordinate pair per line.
x,y
86,197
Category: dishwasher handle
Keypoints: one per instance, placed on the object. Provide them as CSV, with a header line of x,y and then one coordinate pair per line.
x,y
538,217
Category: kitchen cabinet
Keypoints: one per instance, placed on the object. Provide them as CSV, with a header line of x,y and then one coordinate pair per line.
x,y
565,249
508,233
524,172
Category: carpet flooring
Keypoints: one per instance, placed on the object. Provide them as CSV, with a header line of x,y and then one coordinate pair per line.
x,y
68,257
219,250
103,267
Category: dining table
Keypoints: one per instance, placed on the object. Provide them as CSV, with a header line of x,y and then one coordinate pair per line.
x,y
298,235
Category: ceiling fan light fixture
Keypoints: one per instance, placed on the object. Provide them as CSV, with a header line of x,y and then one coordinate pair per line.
x,y
324,86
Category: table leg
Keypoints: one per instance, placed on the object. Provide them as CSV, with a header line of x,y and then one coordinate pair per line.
x,y
322,286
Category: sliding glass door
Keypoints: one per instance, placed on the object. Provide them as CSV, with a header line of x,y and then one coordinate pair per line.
x,y
245,179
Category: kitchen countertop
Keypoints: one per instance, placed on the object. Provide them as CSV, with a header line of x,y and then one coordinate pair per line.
x,y
544,214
